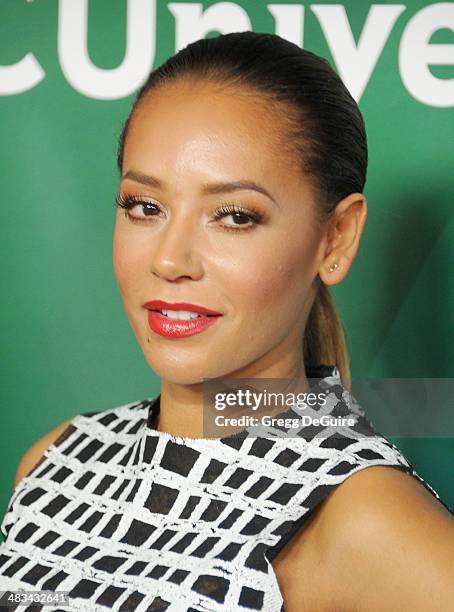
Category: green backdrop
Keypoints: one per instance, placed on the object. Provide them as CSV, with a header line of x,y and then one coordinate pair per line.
x,y
67,344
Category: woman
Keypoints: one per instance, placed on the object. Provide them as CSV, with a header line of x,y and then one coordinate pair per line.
x,y
242,166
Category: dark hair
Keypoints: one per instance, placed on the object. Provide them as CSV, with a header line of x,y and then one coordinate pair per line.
x,y
326,128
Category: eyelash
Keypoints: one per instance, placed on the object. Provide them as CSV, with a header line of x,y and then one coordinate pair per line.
x,y
127,202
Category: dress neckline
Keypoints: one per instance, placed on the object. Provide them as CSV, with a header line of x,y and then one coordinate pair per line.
x,y
320,372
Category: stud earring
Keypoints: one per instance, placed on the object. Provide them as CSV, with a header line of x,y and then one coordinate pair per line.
x,y
333,267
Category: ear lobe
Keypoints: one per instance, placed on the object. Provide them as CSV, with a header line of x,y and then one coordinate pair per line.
x,y
334,269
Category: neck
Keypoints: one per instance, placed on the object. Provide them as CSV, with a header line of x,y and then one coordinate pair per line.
x,y
181,406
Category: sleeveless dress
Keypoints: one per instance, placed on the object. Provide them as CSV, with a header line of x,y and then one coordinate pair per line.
x,y
123,517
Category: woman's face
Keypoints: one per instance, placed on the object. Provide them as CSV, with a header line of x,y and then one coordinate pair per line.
x,y
257,272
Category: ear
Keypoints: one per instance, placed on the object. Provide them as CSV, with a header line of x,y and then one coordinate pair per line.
x,y
342,237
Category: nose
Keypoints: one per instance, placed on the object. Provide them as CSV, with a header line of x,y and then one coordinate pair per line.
x,y
175,255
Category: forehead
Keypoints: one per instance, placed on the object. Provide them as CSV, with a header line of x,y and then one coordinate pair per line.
x,y
191,123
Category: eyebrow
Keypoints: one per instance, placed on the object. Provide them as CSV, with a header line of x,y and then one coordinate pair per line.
x,y
207,188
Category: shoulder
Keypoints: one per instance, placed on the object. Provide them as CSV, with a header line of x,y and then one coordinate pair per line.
x,y
122,419
34,454
382,533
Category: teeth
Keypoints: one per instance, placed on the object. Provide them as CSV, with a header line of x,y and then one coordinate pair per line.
x,y
182,315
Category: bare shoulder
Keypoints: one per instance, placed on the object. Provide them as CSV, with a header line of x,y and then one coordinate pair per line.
x,y
390,540
33,455
379,541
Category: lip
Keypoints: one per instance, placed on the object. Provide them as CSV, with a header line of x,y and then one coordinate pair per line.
x,y
176,328
161,305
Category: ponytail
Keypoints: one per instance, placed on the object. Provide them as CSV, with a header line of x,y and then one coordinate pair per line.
x,y
324,339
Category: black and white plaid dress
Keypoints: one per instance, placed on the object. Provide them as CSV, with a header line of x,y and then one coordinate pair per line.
x,y
124,517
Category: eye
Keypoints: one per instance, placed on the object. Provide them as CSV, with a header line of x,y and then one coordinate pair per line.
x,y
247,219
131,202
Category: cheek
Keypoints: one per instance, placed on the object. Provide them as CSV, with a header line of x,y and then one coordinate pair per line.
x,y
118,256
274,283
128,260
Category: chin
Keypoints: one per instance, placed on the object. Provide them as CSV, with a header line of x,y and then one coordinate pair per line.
x,y
177,372
170,376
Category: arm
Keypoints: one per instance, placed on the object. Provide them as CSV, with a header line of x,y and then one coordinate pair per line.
x,y
33,455
387,544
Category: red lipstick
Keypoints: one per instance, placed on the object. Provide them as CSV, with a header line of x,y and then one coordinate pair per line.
x,y
179,328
